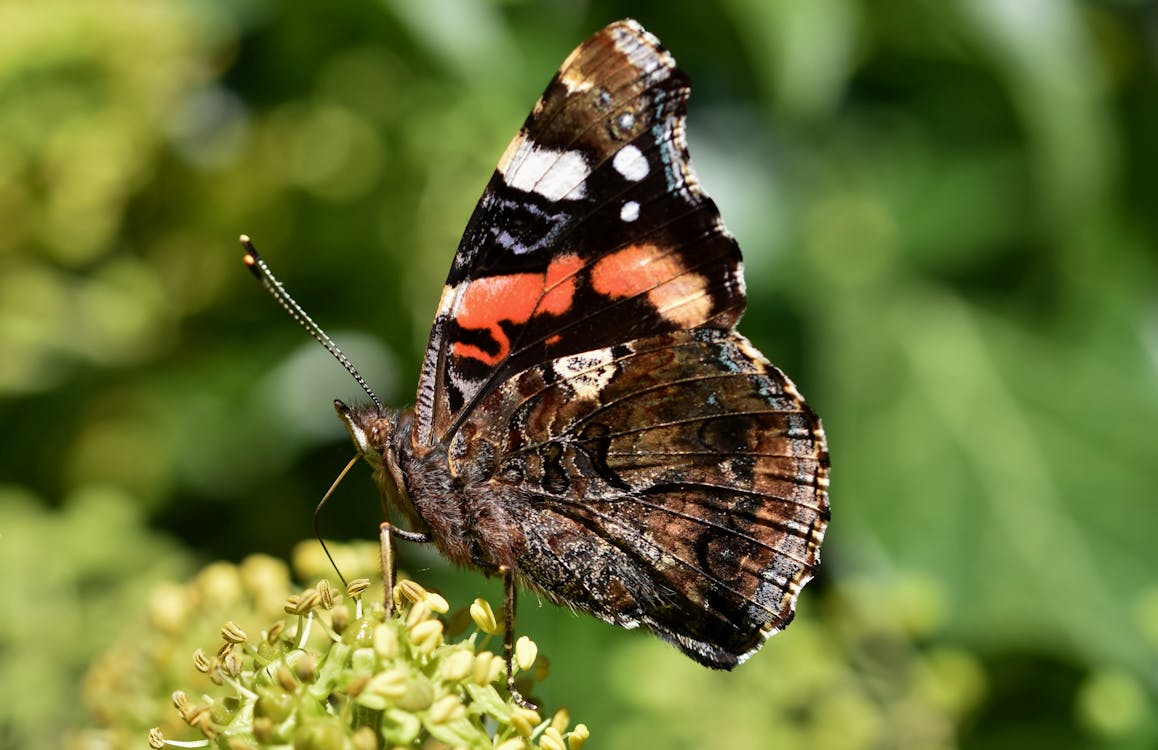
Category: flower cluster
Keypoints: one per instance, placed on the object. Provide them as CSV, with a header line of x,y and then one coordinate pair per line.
x,y
342,672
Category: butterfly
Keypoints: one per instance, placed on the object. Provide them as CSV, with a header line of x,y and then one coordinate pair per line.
x,y
589,424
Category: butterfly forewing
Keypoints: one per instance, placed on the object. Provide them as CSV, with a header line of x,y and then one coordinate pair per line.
x,y
592,231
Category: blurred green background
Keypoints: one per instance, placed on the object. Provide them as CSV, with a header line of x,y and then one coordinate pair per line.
x,y
948,215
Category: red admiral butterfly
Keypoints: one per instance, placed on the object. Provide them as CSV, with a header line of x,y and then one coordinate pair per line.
x,y
589,423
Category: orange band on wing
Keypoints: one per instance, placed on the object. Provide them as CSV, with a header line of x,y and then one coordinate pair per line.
x,y
677,294
634,270
515,298
560,284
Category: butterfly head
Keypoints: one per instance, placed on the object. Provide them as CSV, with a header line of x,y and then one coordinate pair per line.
x,y
371,427
377,432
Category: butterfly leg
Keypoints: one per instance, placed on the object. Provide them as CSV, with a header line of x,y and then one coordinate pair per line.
x,y
386,532
510,594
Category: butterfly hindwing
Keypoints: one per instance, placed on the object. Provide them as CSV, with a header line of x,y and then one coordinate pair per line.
x,y
650,480
592,231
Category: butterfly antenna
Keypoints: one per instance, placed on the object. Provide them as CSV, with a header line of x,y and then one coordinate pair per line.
x,y
259,269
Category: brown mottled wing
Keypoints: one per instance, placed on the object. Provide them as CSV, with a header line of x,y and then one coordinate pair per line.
x,y
593,230
677,482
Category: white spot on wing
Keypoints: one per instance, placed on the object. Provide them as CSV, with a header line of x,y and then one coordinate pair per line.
x,y
550,173
631,163
630,211
587,373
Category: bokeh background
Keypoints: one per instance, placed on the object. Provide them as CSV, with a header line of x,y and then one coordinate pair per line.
x,y
949,218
